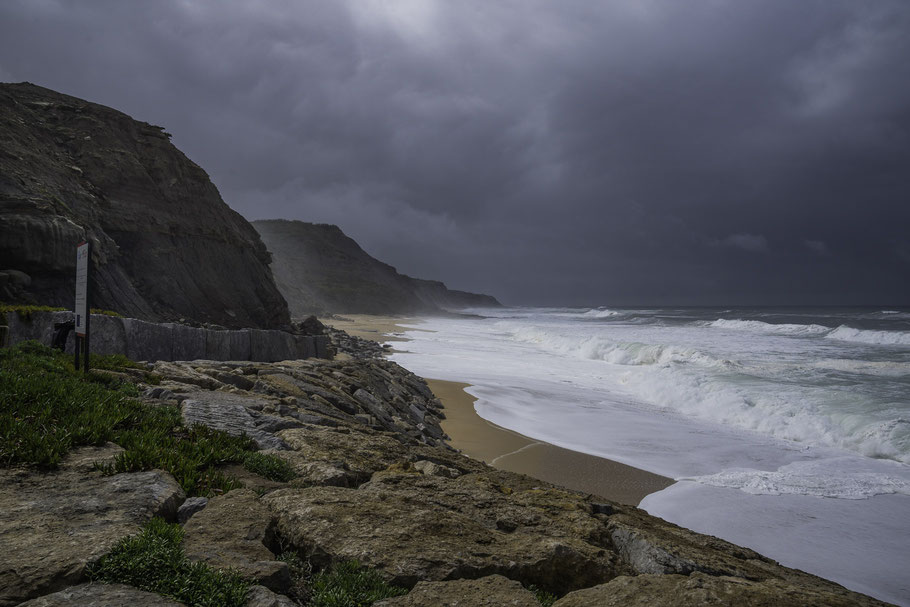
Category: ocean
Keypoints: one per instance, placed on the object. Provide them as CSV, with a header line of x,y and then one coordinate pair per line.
x,y
787,430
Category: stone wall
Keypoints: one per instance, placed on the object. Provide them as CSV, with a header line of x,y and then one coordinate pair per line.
x,y
141,340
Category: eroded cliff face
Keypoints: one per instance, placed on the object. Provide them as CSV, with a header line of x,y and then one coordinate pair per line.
x,y
319,269
166,246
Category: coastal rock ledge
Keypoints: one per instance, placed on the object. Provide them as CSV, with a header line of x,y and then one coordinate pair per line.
x,y
376,484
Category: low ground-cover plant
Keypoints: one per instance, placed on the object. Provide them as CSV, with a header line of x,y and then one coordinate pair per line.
x,y
546,599
349,585
25,311
269,466
154,560
48,408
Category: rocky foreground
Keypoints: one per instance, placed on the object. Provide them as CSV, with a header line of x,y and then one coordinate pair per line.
x,y
376,484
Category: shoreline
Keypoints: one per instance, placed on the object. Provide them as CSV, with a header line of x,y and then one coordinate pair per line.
x,y
508,450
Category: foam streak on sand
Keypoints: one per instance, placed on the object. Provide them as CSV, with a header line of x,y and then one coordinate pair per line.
x,y
771,427
508,450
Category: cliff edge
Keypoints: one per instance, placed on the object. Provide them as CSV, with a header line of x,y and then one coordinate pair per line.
x,y
165,245
319,269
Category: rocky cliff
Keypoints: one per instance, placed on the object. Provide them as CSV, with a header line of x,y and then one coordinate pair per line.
x,y
319,269
166,246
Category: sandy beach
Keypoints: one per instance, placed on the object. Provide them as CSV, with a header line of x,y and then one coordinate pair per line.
x,y
508,450
377,328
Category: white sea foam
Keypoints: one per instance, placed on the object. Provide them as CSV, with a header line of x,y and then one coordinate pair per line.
x,y
600,313
865,336
881,368
766,327
744,413
819,478
598,347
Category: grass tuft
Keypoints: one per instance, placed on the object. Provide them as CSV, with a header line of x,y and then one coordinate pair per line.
x,y
546,599
49,408
153,560
25,311
349,585
269,466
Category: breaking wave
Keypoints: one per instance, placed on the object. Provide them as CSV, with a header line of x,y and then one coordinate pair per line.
x,y
617,353
766,327
885,338
600,313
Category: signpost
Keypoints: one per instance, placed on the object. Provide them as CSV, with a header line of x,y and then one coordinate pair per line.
x,y
83,308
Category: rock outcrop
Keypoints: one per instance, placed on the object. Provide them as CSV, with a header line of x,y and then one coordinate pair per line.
x,y
376,484
53,525
319,269
101,595
165,245
490,591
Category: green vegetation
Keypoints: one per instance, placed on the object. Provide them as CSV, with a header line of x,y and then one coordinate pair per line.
x,y
301,571
25,311
545,599
49,409
107,312
269,466
349,585
154,561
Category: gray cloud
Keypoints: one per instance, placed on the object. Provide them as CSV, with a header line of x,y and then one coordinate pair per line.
x,y
572,152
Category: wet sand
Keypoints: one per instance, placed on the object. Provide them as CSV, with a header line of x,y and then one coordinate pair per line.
x,y
367,326
508,450
505,449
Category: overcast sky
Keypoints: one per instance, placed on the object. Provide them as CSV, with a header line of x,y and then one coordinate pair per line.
x,y
546,152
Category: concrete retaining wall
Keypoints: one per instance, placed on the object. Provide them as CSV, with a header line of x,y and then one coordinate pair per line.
x,y
140,340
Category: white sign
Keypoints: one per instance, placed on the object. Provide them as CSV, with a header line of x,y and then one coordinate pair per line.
x,y
81,288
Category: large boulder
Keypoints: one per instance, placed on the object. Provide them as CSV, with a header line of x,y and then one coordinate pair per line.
x,y
102,595
230,533
415,528
232,413
699,590
52,525
490,591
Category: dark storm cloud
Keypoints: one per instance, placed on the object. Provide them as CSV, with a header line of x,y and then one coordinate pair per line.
x,y
572,152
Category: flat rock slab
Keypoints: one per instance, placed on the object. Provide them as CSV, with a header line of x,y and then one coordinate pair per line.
x,y
53,525
415,530
490,591
347,457
260,596
230,533
228,412
102,595
698,590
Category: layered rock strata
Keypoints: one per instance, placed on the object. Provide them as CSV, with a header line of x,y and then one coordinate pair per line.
x,y
165,245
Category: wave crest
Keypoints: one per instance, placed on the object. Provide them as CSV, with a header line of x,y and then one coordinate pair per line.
x,y
766,327
884,338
